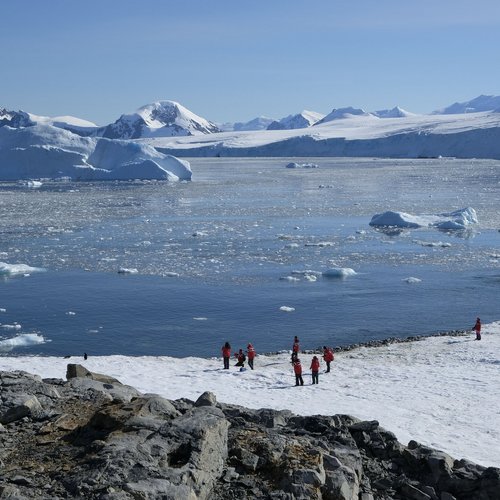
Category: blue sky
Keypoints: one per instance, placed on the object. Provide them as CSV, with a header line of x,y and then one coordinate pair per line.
x,y
238,59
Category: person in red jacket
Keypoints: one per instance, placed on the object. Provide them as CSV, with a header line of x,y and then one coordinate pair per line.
x,y
241,358
250,355
226,354
477,328
297,369
328,357
296,345
315,370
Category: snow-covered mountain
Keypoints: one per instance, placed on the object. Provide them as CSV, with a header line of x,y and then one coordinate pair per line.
x,y
259,123
477,105
15,118
340,113
300,120
159,119
395,112
470,135
33,147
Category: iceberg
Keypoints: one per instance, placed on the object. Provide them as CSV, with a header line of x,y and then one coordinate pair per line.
x,y
44,151
457,220
25,339
18,269
339,272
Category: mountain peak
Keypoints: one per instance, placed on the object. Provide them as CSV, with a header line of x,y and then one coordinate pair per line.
x,y
303,119
339,113
15,119
395,112
476,105
159,119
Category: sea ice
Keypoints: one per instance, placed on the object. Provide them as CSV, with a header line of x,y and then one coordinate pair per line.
x,y
457,220
339,272
125,270
302,165
287,309
22,340
433,244
411,280
15,326
16,269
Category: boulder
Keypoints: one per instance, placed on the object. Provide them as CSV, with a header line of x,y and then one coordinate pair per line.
x,y
75,370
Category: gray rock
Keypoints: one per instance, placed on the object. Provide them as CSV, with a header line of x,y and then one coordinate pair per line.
x,y
20,407
206,399
447,496
441,465
341,484
75,370
106,440
117,392
153,489
247,459
366,426
412,493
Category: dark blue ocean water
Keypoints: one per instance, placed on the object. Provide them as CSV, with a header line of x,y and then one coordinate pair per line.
x,y
209,257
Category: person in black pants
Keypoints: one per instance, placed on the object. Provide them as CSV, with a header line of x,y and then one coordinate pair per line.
x,y
297,369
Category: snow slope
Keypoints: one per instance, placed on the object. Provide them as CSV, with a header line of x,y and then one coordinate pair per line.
x,y
441,391
469,135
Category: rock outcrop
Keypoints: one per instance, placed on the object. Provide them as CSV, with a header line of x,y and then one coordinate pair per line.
x,y
94,438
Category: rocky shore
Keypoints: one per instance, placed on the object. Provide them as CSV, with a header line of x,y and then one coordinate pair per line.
x,y
92,437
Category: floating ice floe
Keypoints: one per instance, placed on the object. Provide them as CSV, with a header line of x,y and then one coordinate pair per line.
x,y
412,280
71,313
200,318
289,278
31,184
15,326
320,244
310,277
432,243
287,309
18,269
302,165
457,220
2,310
23,340
292,245
338,272
307,272
125,270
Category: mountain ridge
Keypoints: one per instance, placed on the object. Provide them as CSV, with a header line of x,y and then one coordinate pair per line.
x,y
166,118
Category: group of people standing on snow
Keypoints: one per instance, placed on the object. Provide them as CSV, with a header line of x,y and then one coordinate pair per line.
x,y
240,355
328,356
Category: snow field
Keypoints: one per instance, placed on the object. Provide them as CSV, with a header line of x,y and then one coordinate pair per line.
x,y
441,391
